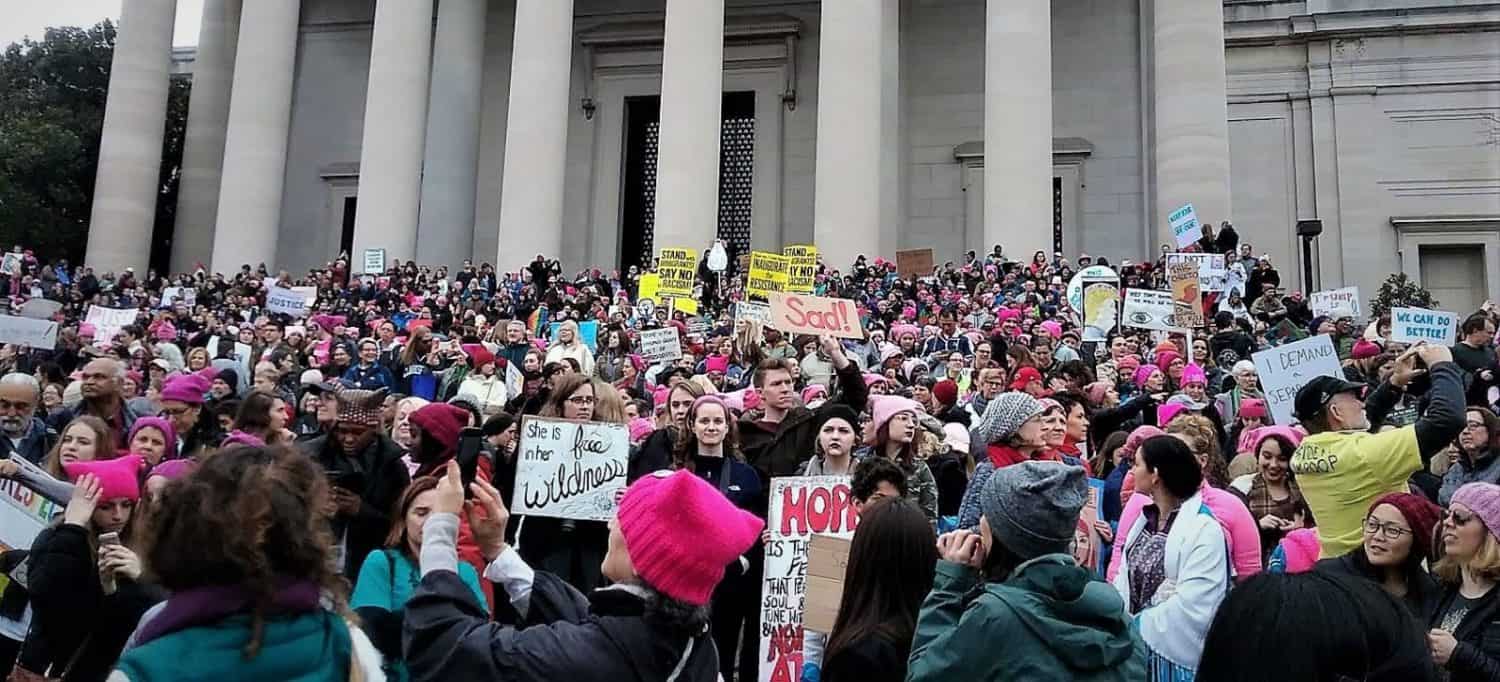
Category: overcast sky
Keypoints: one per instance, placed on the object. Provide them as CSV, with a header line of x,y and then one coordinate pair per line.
x,y
23,18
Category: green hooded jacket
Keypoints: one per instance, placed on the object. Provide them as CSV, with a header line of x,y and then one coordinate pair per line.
x,y
1048,621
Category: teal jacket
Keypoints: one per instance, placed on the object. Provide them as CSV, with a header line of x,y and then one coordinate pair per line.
x,y
1048,621
311,647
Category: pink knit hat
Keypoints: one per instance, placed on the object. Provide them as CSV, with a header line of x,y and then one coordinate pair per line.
x,y
1300,550
884,407
1166,411
814,392
1143,373
119,478
681,533
640,427
185,388
1164,359
716,363
1484,500
173,469
1193,374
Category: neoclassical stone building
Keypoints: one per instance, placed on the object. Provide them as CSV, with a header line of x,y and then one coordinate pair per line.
x,y
600,130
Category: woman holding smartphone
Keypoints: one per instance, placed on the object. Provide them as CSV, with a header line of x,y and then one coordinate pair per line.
x,y
84,578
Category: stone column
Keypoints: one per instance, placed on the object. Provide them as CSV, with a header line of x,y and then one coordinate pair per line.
x,y
203,143
445,229
1018,127
692,92
852,82
536,133
260,112
126,183
390,160
1192,112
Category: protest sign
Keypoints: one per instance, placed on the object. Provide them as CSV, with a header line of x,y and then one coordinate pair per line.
x,y
801,506
658,345
1410,325
685,305
802,268
1088,545
286,302
769,273
650,288
752,312
23,512
800,314
645,309
12,263
1336,302
188,296
1101,310
588,333
1284,369
678,269
1186,302
39,309
570,469
24,331
1213,275
914,263
374,261
108,322
1093,273
827,559
1148,309
1185,227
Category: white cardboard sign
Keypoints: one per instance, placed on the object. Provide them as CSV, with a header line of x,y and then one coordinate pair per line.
x,y
108,322
658,345
286,302
751,311
570,469
1335,300
1410,325
1185,227
24,331
1213,275
1148,309
1284,369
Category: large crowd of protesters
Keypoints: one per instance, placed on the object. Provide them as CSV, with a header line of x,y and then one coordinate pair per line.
x,y
251,496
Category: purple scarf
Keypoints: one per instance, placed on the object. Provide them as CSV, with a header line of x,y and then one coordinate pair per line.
x,y
204,605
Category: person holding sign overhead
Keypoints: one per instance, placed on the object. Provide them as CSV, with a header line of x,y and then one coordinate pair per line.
x,y
1342,467
668,546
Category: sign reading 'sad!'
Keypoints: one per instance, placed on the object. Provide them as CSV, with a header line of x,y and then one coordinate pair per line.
x,y
800,314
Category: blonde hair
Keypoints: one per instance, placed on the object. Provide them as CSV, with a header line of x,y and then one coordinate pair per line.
x,y
1485,563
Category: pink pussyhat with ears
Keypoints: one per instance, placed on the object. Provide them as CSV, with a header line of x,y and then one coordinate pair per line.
x,y
1193,374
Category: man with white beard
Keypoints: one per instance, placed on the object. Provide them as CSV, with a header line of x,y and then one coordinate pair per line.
x,y
24,433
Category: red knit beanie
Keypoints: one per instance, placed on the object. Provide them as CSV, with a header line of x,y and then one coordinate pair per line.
x,y
441,422
946,392
1421,514
681,533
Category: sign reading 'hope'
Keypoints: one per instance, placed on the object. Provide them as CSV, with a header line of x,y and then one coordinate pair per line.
x,y
799,314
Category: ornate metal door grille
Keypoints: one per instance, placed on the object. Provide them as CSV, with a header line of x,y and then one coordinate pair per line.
x,y
1057,215
736,177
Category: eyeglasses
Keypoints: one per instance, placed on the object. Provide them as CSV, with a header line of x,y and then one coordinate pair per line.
x,y
1457,518
582,400
173,411
1474,425
1389,530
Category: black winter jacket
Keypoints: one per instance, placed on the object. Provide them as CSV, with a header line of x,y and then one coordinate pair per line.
x,y
73,622
378,475
1477,656
779,452
607,637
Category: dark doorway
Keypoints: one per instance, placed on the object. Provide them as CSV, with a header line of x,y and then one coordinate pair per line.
x,y
736,176
346,231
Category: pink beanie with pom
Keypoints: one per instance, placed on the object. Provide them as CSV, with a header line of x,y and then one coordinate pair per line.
x,y
681,532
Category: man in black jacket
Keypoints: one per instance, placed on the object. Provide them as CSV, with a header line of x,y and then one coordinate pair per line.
x,y
781,435
365,473
1229,345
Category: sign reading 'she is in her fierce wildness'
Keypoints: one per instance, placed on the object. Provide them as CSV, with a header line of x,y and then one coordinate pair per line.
x,y
801,506
570,469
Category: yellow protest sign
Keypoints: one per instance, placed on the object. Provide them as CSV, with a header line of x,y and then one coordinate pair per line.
x,y
769,272
686,306
650,288
678,269
802,268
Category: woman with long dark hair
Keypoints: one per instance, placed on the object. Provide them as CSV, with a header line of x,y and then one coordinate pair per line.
x,y
389,576
709,448
1014,585
892,560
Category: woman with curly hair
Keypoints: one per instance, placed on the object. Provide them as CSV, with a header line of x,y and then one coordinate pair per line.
x,y
709,448
257,597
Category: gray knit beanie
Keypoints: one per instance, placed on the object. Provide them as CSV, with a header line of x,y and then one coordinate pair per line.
x,y
1004,416
1032,507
